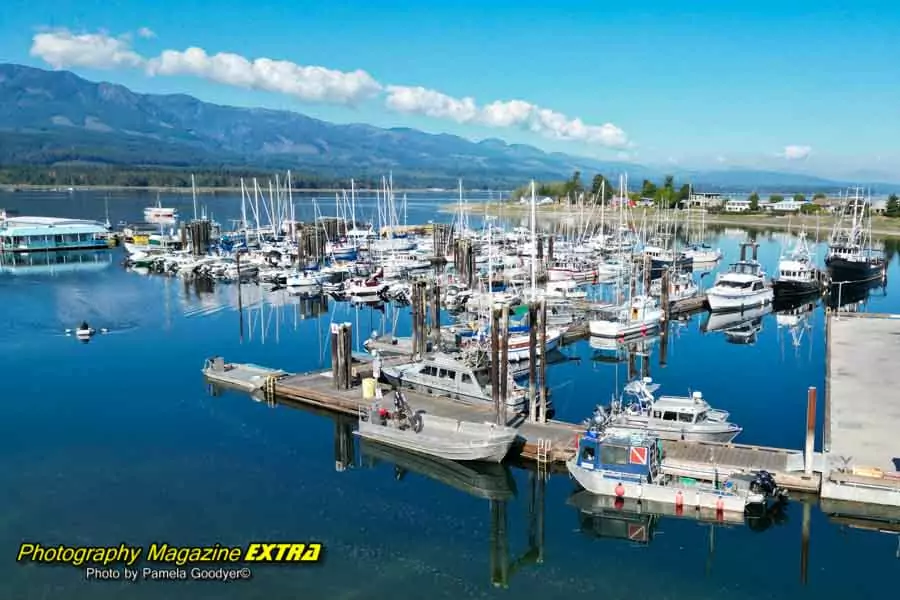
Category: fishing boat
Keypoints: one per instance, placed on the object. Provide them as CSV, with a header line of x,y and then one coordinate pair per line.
x,y
445,375
798,276
851,256
681,286
641,316
743,286
667,417
441,437
630,467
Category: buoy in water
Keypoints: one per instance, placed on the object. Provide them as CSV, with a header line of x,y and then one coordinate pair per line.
x,y
720,504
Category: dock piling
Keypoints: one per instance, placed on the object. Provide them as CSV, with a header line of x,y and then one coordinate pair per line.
x,y
543,362
532,362
495,361
804,543
436,315
341,358
810,430
504,365
664,294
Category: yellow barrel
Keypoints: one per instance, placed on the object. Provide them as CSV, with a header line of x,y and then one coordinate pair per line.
x,y
368,388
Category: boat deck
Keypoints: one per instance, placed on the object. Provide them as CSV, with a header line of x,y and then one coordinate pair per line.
x,y
862,411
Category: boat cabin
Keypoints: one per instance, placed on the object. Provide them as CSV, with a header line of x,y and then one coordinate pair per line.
x,y
629,458
672,409
446,375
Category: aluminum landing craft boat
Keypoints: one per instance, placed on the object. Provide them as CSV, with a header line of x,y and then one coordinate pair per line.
x,y
490,481
442,437
630,467
667,417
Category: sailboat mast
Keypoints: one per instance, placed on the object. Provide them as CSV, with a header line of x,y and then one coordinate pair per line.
x,y
533,242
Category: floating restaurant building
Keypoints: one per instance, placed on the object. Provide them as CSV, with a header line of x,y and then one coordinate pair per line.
x,y
49,234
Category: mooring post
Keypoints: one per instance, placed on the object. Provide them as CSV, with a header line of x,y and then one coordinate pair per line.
x,y
543,360
550,239
532,361
504,365
423,312
495,361
664,294
335,370
646,271
436,315
414,309
348,355
810,429
664,343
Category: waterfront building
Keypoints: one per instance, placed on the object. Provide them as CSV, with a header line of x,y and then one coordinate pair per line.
x,y
48,234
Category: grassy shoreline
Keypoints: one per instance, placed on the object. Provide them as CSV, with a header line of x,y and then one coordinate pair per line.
x,y
881,226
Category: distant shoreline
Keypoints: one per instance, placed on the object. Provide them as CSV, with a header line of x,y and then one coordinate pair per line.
x,y
13,188
881,226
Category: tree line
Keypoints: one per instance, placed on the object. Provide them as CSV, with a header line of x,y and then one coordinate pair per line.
x,y
666,195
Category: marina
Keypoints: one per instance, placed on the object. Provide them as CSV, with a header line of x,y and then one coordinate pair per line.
x,y
312,353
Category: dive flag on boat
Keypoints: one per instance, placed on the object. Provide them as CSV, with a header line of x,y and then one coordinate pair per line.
x,y
637,533
638,456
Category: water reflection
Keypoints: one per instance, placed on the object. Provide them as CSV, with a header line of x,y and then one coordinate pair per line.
x,y
54,263
738,327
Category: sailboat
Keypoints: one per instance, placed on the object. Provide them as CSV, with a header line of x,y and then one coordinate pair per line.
x,y
851,257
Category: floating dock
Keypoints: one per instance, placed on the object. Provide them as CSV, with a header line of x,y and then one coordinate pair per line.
x,y
550,443
861,447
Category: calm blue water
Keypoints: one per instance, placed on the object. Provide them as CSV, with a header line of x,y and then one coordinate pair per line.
x,y
119,440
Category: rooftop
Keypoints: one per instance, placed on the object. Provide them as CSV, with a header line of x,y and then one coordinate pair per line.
x,y
25,226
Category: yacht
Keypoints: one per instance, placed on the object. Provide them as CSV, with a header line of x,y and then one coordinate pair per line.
x,y
797,274
851,257
641,316
743,286
688,418
446,375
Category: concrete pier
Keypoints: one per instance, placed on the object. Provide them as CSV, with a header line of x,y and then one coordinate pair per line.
x,y
861,445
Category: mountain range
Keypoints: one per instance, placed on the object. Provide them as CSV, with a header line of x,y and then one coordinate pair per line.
x,y
57,117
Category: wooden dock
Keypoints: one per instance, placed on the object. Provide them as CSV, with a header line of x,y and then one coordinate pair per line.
x,y
550,443
862,452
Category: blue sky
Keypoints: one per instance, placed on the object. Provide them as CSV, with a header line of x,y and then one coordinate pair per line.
x,y
793,85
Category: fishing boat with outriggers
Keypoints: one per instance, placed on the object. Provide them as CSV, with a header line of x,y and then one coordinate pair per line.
x,y
798,276
851,257
631,467
442,437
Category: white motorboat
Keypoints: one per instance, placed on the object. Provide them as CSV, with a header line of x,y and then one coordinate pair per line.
x,y
681,286
667,417
743,286
441,437
641,316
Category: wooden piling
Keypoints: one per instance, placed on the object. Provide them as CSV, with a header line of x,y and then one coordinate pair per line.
x,y
504,364
341,355
435,315
664,294
810,430
532,361
495,361
543,361
335,364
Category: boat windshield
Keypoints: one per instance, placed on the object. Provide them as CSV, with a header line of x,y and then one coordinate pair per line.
x,y
729,283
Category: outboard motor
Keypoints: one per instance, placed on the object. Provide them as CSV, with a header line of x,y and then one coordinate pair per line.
x,y
765,483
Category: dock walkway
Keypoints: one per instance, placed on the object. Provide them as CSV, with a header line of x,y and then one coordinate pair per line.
x,y
552,442
861,446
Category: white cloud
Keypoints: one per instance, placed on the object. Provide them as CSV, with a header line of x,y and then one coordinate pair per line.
x,y
721,159
795,152
512,113
419,100
60,48
313,84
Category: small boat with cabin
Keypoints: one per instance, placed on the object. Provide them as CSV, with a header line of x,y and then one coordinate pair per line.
x,y
688,418
441,437
743,286
631,467
641,317
443,374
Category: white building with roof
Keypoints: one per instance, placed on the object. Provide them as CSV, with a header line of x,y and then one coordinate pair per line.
x,y
49,234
